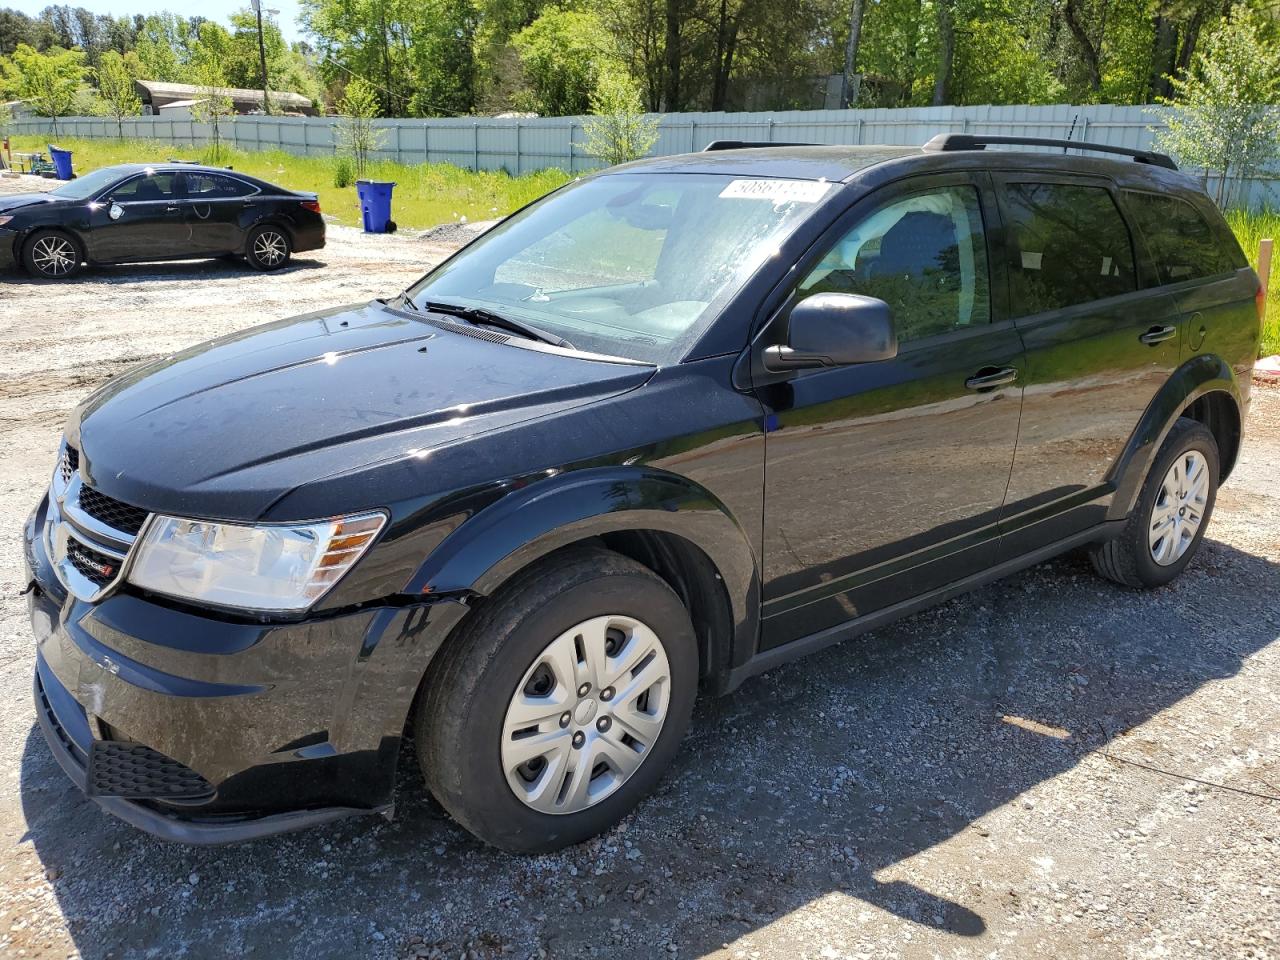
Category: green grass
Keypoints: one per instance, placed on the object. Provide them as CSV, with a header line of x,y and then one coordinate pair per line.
x,y
425,194
1250,228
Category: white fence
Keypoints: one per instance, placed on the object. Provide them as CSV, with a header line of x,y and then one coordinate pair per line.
x,y
522,145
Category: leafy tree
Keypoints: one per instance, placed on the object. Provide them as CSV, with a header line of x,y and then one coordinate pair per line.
x,y
50,81
115,87
1222,120
357,136
562,53
213,106
619,132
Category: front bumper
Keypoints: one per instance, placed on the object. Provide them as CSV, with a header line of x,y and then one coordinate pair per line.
x,y
291,724
8,249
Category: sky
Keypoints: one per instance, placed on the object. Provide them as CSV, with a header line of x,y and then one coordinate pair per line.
x,y
219,10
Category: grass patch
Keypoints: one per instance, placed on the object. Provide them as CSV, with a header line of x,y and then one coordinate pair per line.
x,y
425,194
1250,228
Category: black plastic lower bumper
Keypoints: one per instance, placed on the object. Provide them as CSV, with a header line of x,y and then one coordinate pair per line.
x,y
155,821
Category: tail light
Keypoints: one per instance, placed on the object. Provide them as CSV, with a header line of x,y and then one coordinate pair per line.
x,y
312,205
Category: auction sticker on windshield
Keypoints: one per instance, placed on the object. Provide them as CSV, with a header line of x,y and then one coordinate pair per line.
x,y
777,191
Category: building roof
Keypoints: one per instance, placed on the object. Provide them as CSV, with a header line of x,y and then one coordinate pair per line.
x,y
188,91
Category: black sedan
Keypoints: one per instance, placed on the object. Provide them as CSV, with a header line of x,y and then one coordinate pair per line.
x,y
137,212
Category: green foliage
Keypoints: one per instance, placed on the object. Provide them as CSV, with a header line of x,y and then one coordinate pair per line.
x,y
50,81
344,171
357,136
1251,228
115,87
619,132
563,53
1222,120
212,105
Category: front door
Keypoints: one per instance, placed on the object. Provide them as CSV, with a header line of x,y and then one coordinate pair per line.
x,y
139,220
1098,350
885,480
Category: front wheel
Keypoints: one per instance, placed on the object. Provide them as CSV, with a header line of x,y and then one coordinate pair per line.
x,y
559,707
1168,522
52,254
267,248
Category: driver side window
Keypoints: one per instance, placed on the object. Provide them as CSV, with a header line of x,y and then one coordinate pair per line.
x,y
925,255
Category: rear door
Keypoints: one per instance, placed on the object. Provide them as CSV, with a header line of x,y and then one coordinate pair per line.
x,y
884,480
140,219
214,208
1098,348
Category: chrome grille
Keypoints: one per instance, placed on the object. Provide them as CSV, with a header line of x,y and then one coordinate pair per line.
x,y
88,534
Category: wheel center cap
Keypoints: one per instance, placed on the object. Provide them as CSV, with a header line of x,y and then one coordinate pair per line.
x,y
585,712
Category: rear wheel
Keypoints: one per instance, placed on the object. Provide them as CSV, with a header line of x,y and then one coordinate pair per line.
x,y
268,247
52,254
559,707
1168,522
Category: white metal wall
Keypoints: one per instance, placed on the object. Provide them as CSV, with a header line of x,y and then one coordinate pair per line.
x,y
524,145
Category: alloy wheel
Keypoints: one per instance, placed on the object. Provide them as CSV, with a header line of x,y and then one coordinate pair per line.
x,y
54,256
269,248
1179,508
586,714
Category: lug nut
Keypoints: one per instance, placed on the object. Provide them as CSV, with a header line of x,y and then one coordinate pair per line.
x,y
579,739
564,720
584,689
606,693
603,724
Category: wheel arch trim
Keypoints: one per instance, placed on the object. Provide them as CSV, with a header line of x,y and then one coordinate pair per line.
x,y
1196,378
521,528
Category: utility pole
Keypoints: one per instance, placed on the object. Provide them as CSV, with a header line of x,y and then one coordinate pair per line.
x,y
262,58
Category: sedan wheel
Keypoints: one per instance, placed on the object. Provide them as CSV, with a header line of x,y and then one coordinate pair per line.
x,y
1179,508
586,714
268,248
52,255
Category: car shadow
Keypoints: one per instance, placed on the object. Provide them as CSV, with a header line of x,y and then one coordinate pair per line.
x,y
818,780
164,270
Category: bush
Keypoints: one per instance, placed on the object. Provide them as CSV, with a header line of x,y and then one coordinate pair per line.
x,y
344,171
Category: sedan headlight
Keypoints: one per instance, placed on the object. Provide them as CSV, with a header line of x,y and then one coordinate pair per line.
x,y
4,220
268,568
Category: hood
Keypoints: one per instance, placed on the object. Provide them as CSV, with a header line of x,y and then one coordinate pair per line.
x,y
227,428
17,201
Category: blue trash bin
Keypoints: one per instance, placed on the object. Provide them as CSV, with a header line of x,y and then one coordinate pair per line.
x,y
61,162
375,205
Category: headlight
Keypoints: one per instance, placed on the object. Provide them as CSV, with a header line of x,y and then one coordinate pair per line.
x,y
275,567
4,220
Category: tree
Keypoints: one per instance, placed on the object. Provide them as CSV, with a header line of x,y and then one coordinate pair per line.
x,y
212,106
847,93
619,132
1223,117
115,86
357,136
50,81
562,53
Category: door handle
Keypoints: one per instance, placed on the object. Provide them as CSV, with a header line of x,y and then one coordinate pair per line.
x,y
992,378
172,208
1158,335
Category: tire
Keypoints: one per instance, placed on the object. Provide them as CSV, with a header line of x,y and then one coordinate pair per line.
x,y
268,247
1136,558
53,255
466,713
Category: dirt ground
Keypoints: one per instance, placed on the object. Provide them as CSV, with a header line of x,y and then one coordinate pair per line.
x,y
1049,767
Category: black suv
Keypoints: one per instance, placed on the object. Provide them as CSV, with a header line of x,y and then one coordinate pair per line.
x,y
673,425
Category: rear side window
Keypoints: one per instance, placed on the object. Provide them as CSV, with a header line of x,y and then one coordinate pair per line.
x,y
1182,244
1071,246
212,186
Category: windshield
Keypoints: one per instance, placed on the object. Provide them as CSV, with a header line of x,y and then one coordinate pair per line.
x,y
630,265
82,188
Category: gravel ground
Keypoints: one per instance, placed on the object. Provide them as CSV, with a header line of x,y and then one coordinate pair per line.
x,y
1052,766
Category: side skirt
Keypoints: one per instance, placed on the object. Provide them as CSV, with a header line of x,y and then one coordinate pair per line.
x,y
776,656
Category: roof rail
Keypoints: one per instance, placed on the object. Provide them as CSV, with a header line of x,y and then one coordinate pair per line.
x,y
750,144
945,142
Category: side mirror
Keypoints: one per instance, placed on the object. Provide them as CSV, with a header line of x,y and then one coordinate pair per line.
x,y
832,330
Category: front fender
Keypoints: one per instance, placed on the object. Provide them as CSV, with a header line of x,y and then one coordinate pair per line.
x,y
1195,378
487,550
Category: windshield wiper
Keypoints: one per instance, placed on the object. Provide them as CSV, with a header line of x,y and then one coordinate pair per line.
x,y
478,316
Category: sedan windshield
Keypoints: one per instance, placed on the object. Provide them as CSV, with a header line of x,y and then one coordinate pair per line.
x,y
82,188
630,265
